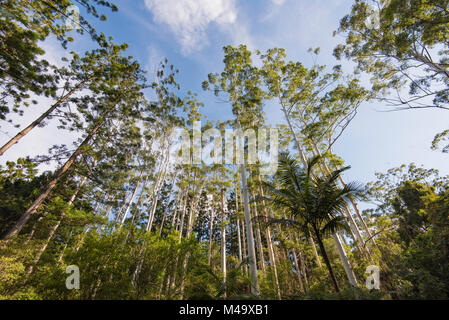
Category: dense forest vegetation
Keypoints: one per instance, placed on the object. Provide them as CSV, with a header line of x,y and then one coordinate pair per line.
x,y
141,226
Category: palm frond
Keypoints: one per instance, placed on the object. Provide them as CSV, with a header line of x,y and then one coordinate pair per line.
x,y
334,225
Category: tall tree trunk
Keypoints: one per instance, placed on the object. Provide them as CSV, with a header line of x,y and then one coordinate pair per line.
x,y
119,212
223,241
196,193
183,213
249,228
315,252
211,229
271,254
239,241
36,122
258,236
250,236
302,264
244,248
50,186
155,195
130,202
349,273
326,260
357,212
298,271
297,265
176,209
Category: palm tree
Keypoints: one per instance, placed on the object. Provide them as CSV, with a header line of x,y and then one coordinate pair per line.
x,y
312,203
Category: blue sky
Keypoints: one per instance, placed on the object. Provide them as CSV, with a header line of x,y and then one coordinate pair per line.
x,y
191,34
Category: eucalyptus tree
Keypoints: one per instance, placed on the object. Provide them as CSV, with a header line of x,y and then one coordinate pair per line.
x,y
159,119
322,120
222,183
313,203
258,189
241,83
401,43
299,90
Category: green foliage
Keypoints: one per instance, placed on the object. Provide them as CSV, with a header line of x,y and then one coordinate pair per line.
x,y
139,227
18,188
411,35
413,228
23,24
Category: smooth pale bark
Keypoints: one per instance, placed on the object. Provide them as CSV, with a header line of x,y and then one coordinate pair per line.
x,y
244,249
302,264
349,273
273,266
354,228
106,215
155,195
250,236
176,210
258,235
211,226
50,186
239,241
39,120
315,252
172,282
271,254
130,202
223,241
357,212
193,205
240,235
136,214
249,228
298,271
297,266
183,214
195,196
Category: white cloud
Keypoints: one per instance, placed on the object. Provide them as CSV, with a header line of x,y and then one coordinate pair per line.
x,y
278,2
189,19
